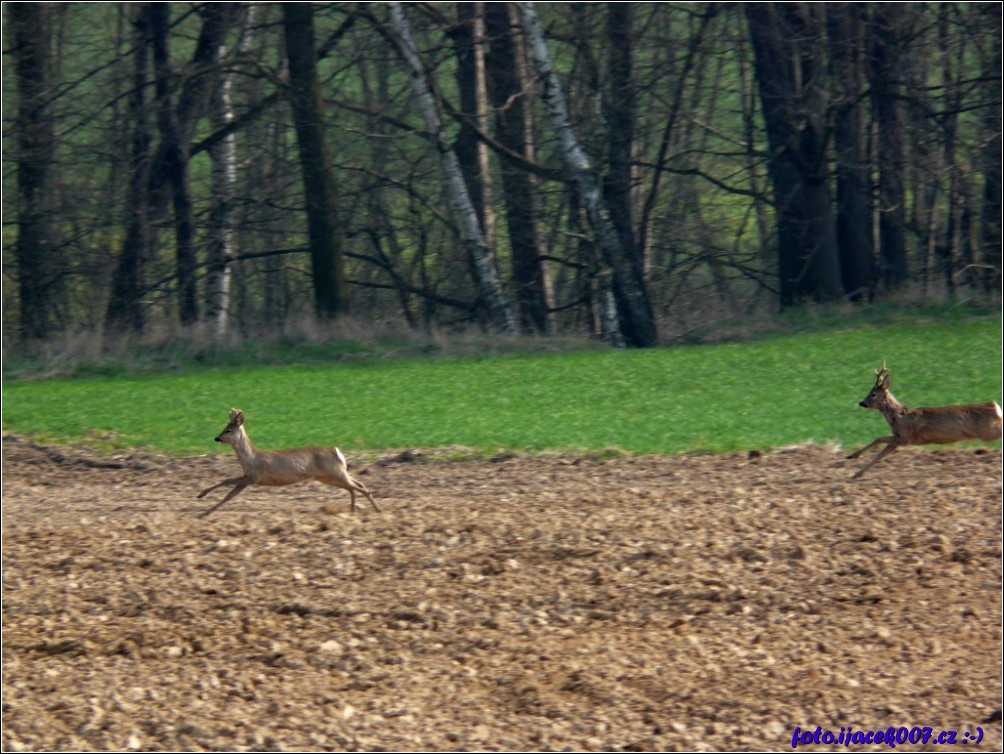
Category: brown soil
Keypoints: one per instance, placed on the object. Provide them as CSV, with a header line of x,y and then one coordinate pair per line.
x,y
558,603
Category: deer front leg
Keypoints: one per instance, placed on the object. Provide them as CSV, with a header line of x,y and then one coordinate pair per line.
x,y
885,451
878,441
242,483
224,483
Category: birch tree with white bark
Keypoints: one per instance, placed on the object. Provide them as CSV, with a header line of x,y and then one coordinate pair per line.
x,y
634,317
224,183
489,281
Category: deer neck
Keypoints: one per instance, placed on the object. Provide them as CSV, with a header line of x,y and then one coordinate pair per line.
x,y
892,409
244,448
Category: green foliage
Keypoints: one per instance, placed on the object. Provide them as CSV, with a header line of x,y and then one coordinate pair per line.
x,y
725,397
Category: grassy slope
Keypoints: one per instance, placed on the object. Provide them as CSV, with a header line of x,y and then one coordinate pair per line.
x,y
721,397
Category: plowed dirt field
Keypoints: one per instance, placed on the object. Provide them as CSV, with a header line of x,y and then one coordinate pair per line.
x,y
517,603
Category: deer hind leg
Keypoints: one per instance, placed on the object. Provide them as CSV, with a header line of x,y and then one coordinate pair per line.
x,y
885,451
360,487
352,486
241,484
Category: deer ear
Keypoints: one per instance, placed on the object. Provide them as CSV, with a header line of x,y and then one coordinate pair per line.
x,y
236,417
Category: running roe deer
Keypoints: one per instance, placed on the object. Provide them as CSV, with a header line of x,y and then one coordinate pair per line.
x,y
279,467
927,425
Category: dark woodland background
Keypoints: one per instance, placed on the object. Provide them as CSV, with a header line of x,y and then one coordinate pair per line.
x,y
585,169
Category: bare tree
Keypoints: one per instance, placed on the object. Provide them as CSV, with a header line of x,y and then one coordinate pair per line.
x,y
474,239
38,275
669,123
125,310
619,111
787,42
885,81
221,246
472,153
990,235
323,227
508,90
847,53
636,323
176,123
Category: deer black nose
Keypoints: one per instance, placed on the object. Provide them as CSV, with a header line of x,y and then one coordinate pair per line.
x,y
218,439
862,404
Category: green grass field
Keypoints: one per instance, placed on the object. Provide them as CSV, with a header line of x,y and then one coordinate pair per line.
x,y
759,394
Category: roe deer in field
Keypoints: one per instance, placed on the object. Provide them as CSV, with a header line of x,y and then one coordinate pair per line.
x,y
926,425
279,467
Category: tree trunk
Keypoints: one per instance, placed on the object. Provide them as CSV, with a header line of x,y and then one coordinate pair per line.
x,y
327,254
637,323
507,91
222,223
172,163
220,246
176,125
125,311
786,43
885,89
472,152
854,212
619,112
474,239
38,276
990,235
957,254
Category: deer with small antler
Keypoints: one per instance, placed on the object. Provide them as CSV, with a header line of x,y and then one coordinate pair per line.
x,y
281,467
935,425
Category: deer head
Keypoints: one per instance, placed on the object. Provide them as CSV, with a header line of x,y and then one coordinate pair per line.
x,y
879,394
231,431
